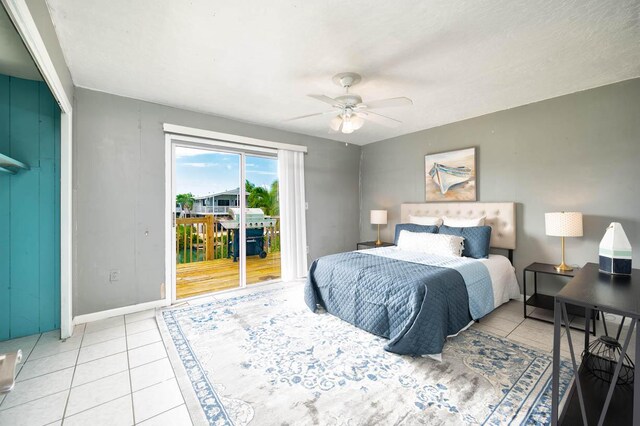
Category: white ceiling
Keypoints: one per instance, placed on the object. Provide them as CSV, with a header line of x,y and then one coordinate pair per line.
x,y
15,59
257,60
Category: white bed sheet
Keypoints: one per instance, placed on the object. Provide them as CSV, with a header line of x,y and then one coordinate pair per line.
x,y
503,277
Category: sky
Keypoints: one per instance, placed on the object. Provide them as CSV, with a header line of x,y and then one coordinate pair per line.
x,y
203,172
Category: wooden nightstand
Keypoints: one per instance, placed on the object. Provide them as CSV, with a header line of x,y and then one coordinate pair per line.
x,y
545,301
372,244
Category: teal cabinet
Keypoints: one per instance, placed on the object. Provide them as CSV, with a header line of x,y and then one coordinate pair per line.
x,y
29,209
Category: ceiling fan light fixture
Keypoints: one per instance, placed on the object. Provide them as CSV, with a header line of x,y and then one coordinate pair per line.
x,y
335,123
347,125
351,112
357,122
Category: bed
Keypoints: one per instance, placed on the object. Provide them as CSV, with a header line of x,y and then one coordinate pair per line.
x,y
415,299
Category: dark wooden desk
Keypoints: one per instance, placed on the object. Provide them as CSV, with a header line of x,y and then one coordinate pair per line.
x,y
589,399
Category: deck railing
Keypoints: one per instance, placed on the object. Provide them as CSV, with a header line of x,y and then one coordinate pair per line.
x,y
211,209
203,238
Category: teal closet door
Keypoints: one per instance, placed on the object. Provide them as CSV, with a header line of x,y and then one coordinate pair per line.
x,y
29,210
5,227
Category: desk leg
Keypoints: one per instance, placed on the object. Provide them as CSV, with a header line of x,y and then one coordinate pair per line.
x,y
555,379
616,373
587,324
636,383
524,285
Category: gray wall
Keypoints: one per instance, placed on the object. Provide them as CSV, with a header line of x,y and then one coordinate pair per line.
x,y
42,18
119,194
577,152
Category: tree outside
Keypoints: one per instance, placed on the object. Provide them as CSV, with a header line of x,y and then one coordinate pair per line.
x,y
186,203
263,198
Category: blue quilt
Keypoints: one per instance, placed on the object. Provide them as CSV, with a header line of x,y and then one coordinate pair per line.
x,y
413,304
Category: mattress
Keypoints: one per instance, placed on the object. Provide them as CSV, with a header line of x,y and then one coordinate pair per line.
x,y
413,299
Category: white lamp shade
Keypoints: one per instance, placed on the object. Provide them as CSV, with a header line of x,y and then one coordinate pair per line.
x,y
378,217
563,224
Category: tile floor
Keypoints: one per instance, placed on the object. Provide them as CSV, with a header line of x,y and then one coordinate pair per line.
x,y
113,371
116,371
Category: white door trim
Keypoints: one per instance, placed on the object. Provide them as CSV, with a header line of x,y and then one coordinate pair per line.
x,y
226,137
21,17
169,214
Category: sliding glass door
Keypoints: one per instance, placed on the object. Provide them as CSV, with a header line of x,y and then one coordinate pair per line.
x,y
226,219
263,219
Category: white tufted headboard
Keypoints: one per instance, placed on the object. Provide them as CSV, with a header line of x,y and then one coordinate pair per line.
x,y
500,216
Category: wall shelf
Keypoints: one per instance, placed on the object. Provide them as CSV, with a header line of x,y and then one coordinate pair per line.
x,y
10,165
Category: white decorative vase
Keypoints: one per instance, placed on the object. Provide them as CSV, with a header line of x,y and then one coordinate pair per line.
x,y
615,251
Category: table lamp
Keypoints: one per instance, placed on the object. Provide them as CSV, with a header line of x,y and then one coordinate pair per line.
x,y
563,224
378,217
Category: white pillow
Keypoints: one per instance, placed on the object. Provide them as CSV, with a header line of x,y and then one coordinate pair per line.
x,y
424,242
463,223
425,220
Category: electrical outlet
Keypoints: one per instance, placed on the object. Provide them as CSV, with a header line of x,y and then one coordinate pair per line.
x,y
306,206
307,249
114,275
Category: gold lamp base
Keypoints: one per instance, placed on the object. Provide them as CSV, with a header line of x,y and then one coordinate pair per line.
x,y
378,242
563,267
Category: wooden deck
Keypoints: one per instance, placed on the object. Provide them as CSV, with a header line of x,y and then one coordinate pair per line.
x,y
197,278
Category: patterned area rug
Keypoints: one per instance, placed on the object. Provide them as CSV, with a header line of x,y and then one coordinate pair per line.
x,y
264,358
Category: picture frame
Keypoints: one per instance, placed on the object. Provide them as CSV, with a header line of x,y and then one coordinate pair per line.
x,y
451,176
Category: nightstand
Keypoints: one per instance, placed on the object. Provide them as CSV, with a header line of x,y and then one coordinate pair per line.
x,y
546,301
372,244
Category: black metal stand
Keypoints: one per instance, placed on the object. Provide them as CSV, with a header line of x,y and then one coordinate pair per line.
x,y
545,301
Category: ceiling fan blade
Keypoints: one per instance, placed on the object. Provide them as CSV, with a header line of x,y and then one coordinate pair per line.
x,y
388,103
327,100
311,115
379,119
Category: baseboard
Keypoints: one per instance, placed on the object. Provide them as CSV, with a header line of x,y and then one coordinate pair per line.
x,y
95,316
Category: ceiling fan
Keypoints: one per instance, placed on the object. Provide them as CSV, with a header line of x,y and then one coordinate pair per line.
x,y
350,112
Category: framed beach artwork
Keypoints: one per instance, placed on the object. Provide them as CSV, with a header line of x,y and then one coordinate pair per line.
x,y
451,175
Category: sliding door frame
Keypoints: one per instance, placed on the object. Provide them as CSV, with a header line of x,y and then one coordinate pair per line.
x,y
173,141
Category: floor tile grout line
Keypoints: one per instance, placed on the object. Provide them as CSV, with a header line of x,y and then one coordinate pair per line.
x,y
173,370
66,404
58,353
141,319
95,406
39,376
48,372
126,342
118,372
101,357
164,412
121,337
33,400
130,385
123,325
32,348
26,358
124,351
